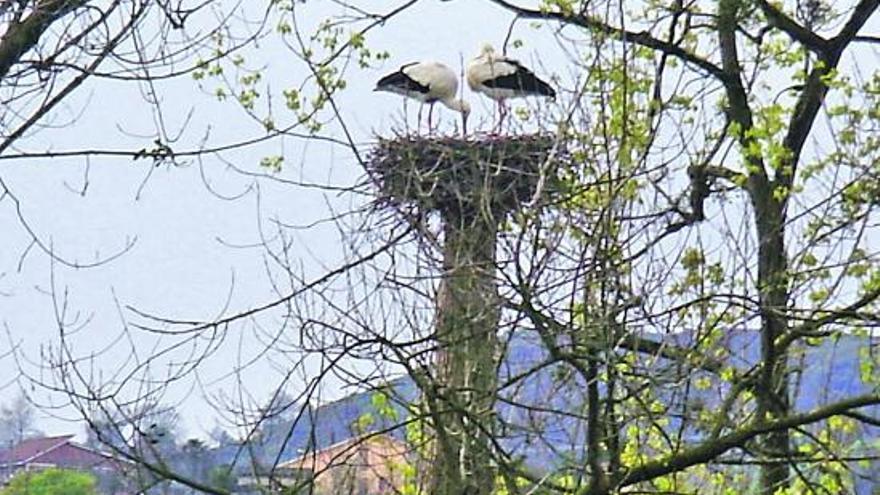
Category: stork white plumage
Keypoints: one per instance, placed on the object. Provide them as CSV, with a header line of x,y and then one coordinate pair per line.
x,y
427,82
500,77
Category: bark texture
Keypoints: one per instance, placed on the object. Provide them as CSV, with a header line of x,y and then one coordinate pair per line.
x,y
467,322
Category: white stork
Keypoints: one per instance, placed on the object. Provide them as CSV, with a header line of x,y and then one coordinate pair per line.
x,y
427,82
499,78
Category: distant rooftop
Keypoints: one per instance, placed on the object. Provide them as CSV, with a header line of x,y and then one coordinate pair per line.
x,y
31,448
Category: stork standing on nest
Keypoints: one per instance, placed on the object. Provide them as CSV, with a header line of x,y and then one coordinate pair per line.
x,y
427,82
499,78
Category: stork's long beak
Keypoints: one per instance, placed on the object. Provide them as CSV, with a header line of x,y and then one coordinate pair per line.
x,y
464,118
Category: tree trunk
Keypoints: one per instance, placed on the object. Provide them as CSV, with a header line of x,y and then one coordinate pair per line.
x,y
467,321
772,390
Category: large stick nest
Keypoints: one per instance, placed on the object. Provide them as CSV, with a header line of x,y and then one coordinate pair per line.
x,y
464,176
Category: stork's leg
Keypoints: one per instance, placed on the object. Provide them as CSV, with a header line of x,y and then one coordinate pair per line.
x,y
405,117
502,111
419,124
430,112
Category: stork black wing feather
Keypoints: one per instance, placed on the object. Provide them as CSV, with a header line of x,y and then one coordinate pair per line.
x,y
522,79
402,81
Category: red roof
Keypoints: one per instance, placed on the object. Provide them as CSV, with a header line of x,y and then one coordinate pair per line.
x,y
31,448
53,451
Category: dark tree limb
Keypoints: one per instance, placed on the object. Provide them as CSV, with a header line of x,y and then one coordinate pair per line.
x,y
22,36
642,38
810,100
801,34
710,449
861,13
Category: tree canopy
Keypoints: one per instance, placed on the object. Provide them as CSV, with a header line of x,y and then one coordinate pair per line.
x,y
51,482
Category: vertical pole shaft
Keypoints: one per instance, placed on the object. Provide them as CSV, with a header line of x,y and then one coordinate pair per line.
x,y
467,321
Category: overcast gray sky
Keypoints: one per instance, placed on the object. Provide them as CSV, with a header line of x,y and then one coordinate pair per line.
x,y
188,239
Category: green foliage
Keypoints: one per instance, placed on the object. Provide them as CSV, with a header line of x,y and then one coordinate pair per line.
x,y
222,477
272,163
51,482
826,474
383,406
